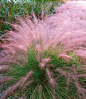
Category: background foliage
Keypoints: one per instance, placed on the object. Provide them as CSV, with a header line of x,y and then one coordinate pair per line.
x,y
9,10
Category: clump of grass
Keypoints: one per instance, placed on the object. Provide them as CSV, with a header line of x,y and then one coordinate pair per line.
x,y
40,66
40,79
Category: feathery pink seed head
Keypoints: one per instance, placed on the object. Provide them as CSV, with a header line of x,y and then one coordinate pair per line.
x,y
53,82
49,73
46,60
42,65
38,48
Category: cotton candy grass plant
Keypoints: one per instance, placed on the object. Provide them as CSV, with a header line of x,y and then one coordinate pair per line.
x,y
37,65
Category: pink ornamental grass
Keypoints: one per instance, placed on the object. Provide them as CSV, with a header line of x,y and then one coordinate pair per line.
x,y
59,34
67,28
69,25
